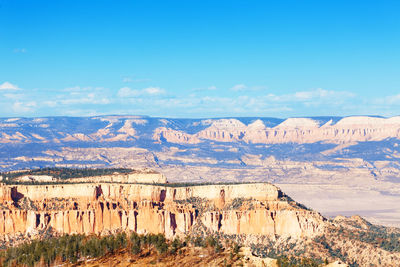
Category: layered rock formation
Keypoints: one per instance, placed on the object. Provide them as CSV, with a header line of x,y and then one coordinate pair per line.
x,y
257,130
292,130
101,208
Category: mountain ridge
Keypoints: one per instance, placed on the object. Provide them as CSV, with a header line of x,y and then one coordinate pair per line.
x,y
247,129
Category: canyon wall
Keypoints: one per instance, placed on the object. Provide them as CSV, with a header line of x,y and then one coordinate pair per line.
x,y
100,208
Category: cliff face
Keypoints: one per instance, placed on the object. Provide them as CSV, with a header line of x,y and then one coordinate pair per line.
x,y
101,208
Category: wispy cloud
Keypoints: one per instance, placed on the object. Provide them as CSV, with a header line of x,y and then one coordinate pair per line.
x,y
320,93
79,89
149,91
243,87
239,87
313,96
127,92
13,96
24,107
154,91
388,100
281,105
87,99
8,86
129,79
211,102
205,89
50,103
77,95
20,50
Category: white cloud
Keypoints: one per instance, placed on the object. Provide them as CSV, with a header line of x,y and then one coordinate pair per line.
x,y
156,101
127,79
243,87
51,103
150,91
154,91
388,100
258,87
21,107
78,89
8,86
82,112
303,95
239,87
127,92
20,50
75,89
321,93
315,96
205,89
90,98
13,96
80,95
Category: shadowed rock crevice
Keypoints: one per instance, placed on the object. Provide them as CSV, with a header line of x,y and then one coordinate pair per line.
x,y
219,221
37,220
98,191
173,222
163,195
16,196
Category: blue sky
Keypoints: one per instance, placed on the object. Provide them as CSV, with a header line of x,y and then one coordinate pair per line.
x,y
199,58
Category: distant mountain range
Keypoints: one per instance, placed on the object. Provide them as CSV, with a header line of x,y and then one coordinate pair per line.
x,y
26,142
189,131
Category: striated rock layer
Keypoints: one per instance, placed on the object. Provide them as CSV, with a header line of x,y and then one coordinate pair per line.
x,y
110,129
101,208
292,130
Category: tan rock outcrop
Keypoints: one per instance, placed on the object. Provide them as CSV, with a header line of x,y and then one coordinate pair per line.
x,y
101,208
174,136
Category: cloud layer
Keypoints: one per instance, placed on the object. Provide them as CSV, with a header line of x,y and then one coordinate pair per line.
x,y
239,100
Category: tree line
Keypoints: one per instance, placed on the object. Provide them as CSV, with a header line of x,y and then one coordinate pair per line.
x,y
72,248
66,173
